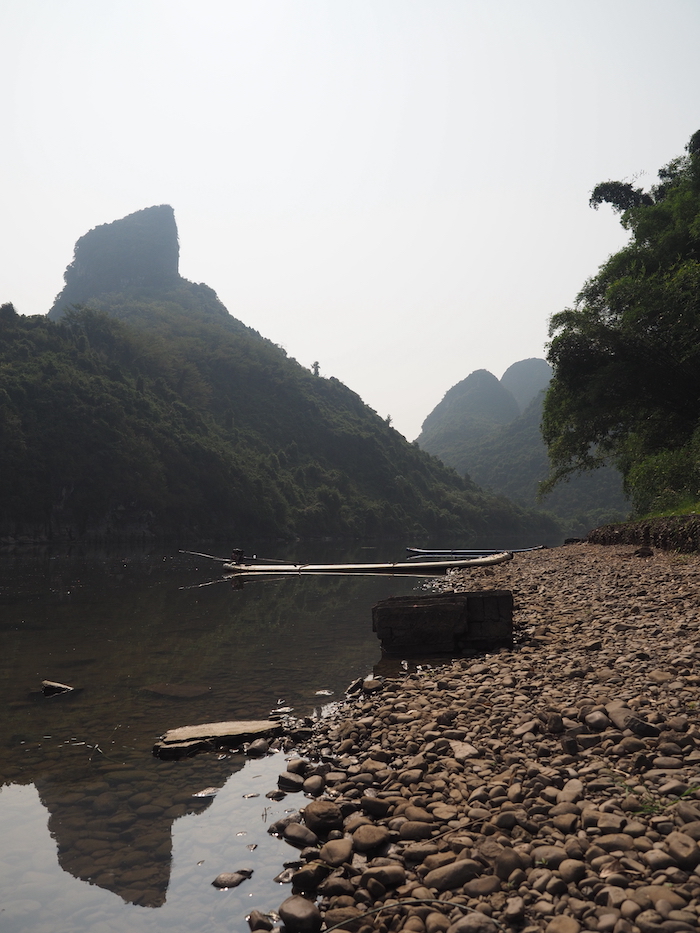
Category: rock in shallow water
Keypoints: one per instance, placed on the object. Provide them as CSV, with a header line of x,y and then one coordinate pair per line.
x,y
231,879
300,915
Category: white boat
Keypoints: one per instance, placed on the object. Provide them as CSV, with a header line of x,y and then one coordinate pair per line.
x,y
428,568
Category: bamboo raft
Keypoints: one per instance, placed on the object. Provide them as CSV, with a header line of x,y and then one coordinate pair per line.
x,y
427,568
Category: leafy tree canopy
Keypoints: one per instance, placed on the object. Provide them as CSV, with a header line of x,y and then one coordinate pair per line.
x,y
626,358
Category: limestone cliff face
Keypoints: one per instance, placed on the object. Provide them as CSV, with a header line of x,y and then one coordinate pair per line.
x,y
141,249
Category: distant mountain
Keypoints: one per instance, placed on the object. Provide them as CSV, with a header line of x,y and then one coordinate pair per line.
x,y
526,379
140,405
140,250
468,411
508,456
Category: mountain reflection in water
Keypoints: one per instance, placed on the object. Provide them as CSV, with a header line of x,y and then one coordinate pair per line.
x,y
151,649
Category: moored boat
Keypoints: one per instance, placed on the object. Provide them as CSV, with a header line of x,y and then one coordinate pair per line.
x,y
417,553
428,568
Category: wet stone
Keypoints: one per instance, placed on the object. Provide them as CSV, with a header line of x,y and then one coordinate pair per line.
x,y
299,836
231,879
300,915
290,782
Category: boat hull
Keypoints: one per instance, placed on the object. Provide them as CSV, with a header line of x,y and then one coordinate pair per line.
x,y
430,568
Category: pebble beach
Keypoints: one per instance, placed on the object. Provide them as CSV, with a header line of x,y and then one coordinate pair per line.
x,y
554,786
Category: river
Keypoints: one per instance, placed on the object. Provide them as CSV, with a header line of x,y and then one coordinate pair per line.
x,y
97,834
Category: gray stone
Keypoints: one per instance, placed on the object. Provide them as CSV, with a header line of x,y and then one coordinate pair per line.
x,y
314,785
597,721
290,782
551,856
345,917
514,910
483,886
572,870
507,862
474,923
649,921
231,879
436,923
563,924
337,851
299,836
323,816
259,921
454,875
415,831
258,748
309,877
232,733
391,876
368,837
300,915
649,894
683,850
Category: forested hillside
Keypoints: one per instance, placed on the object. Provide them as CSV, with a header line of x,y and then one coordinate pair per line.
x,y
468,430
468,411
626,358
150,409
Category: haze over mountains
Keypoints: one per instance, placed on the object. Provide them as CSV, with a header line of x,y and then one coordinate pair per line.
x,y
490,429
140,405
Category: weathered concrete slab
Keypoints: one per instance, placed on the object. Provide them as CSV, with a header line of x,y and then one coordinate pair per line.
x,y
444,623
188,740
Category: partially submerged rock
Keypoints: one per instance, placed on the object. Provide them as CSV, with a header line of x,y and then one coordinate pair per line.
x,y
231,879
189,740
51,688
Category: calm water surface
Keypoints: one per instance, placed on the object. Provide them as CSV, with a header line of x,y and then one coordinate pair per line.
x,y
97,834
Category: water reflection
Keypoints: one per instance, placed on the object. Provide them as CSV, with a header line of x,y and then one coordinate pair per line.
x,y
151,649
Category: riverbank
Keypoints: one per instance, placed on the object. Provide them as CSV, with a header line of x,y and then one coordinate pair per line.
x,y
553,787
674,533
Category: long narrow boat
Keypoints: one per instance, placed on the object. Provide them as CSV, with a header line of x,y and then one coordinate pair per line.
x,y
428,568
417,553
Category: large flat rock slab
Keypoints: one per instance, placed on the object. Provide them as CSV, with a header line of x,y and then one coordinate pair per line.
x,y
207,736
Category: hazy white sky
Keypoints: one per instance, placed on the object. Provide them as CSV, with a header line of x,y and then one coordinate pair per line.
x,y
395,188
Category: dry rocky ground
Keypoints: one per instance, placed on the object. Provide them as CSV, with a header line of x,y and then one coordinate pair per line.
x,y
553,787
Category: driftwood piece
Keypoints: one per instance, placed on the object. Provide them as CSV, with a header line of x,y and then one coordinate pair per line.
x,y
188,740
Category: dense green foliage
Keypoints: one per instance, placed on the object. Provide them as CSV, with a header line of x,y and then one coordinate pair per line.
x,y
626,358
512,460
155,410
